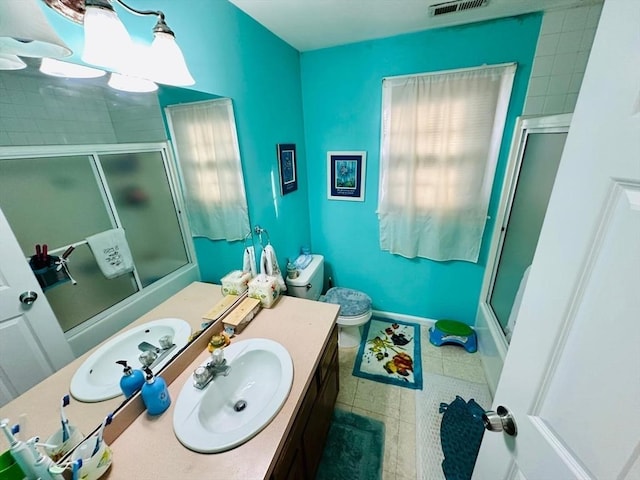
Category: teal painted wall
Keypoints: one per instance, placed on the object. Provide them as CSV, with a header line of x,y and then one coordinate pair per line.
x,y
342,90
339,91
231,55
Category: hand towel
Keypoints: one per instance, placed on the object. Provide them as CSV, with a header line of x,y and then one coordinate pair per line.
x,y
112,253
249,261
269,266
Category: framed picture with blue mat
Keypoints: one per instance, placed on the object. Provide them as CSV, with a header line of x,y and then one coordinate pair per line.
x,y
390,353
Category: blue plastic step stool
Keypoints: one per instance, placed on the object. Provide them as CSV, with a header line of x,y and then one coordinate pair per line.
x,y
452,331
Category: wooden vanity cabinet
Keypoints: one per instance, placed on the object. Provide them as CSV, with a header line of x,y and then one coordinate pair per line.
x,y
302,451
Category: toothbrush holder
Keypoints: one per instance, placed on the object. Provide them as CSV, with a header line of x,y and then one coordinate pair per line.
x,y
62,448
96,465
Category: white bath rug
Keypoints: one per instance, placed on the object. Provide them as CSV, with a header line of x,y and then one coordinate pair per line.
x,y
439,389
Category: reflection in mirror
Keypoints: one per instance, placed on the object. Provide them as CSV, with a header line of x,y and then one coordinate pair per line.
x,y
42,111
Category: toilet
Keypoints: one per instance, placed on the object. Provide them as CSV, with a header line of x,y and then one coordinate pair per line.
x,y
355,306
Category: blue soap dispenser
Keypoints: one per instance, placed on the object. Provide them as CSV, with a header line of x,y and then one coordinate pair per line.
x,y
155,394
131,381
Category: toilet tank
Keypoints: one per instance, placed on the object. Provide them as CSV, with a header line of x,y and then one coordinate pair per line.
x,y
309,282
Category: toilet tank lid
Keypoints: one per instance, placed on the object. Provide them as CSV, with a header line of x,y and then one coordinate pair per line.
x,y
304,278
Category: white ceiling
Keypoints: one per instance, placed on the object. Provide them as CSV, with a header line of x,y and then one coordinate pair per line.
x,y
313,24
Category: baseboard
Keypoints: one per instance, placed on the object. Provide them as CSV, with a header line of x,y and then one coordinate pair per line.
x,y
428,322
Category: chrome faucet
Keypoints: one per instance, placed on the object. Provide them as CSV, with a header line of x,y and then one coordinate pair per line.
x,y
203,375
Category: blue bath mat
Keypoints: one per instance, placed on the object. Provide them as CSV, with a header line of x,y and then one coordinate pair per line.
x,y
390,353
461,433
354,448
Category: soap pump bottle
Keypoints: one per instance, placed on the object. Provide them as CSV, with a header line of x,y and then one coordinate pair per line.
x,y
155,394
131,381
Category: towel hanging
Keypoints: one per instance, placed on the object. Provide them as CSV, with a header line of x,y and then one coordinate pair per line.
x,y
269,266
112,253
249,261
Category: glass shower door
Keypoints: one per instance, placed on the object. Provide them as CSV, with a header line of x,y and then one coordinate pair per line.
x,y
58,201
141,193
538,168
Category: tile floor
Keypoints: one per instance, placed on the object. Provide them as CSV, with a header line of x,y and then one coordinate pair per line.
x,y
395,406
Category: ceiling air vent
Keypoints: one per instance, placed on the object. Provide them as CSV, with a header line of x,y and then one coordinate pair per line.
x,y
455,6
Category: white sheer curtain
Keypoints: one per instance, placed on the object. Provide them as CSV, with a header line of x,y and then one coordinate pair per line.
x,y
441,136
206,144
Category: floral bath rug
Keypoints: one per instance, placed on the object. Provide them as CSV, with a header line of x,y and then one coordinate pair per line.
x,y
390,353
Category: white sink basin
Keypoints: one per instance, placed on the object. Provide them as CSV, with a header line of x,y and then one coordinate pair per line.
x,y
234,408
98,378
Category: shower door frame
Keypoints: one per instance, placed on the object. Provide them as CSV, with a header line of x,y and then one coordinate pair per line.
x,y
492,342
86,335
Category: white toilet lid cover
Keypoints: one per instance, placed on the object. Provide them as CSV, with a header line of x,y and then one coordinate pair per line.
x,y
352,302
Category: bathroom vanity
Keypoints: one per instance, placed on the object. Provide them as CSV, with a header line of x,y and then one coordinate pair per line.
x,y
290,446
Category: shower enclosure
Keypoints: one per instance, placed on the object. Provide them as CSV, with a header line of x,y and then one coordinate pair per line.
x,y
535,154
59,196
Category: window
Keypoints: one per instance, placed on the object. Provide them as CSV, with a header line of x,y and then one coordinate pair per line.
x,y
441,136
206,145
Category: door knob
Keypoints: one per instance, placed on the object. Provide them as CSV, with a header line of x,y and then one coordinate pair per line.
x,y
500,421
28,297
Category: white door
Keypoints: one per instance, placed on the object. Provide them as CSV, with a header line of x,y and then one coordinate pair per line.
x,y
32,344
571,377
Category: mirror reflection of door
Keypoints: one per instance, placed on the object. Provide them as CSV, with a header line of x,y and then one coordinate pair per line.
x,y
531,189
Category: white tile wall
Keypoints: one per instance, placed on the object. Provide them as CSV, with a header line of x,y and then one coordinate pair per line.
x,y
561,57
56,111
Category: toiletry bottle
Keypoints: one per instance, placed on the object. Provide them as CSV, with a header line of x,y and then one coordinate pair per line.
x,y
42,463
155,394
19,451
131,381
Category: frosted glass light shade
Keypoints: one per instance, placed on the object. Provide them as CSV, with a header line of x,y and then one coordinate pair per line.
x,y
127,83
11,62
169,65
25,31
58,68
106,40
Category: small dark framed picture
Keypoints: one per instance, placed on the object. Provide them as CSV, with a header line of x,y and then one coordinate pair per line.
x,y
287,167
346,175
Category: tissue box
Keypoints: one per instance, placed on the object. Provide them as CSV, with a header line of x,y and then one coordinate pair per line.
x,y
235,282
241,316
264,288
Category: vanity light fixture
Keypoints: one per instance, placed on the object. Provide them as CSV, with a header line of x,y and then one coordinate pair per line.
x,y
58,68
108,44
128,83
25,31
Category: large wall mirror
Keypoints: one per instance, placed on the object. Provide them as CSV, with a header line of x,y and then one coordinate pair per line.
x,y
84,134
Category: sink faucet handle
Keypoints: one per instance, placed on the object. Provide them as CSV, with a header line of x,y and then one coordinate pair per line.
x,y
148,357
201,375
217,357
166,341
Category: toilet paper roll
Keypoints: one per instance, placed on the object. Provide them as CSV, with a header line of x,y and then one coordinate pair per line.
x,y
264,288
235,282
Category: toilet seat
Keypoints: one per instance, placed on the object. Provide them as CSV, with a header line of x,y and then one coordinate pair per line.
x,y
355,311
